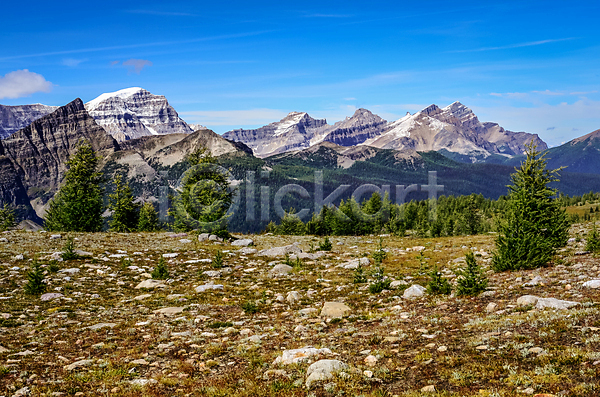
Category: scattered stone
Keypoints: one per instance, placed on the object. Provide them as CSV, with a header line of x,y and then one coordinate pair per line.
x,y
51,295
96,327
592,284
169,311
55,236
370,360
280,251
142,382
356,263
142,297
212,273
553,303
368,374
245,242
208,287
414,291
442,349
247,251
275,373
537,280
150,284
281,270
491,307
428,389
527,300
22,392
203,237
335,310
323,370
293,297
185,241
3,349
303,354
140,361
171,255
397,283
78,364
536,350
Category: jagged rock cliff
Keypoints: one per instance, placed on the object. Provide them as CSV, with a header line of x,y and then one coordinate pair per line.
x,y
134,112
13,118
39,152
293,132
12,191
355,130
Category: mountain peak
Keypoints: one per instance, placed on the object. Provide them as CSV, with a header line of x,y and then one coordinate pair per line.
x,y
124,93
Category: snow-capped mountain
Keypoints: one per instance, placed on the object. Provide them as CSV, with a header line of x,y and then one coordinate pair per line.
x,y
454,128
134,112
293,132
13,118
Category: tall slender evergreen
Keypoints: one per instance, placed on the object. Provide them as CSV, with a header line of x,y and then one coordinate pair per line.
x,y
535,225
125,210
78,205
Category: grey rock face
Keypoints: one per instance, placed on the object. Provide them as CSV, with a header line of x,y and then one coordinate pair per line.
x,y
39,152
414,291
355,130
134,112
14,118
293,132
323,370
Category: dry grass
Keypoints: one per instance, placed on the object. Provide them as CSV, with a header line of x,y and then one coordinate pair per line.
x,y
192,354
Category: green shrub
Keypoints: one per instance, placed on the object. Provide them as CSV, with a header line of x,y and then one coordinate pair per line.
x,y
379,254
593,240
380,281
160,272
471,280
250,307
148,220
359,275
35,280
217,261
438,285
325,245
69,250
53,267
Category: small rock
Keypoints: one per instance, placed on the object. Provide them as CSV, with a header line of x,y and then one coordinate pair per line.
x,y
203,237
169,311
78,364
281,270
150,284
274,373
51,295
368,374
212,273
397,283
323,370
442,349
303,354
553,303
592,284
536,350
171,255
293,297
335,310
536,281
247,251
414,291
140,361
22,392
370,360
428,389
208,287
142,382
96,327
491,307
55,236
245,242
280,251
527,300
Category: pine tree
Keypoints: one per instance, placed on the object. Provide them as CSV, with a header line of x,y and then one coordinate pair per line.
x,y
7,218
205,196
35,280
78,205
125,210
535,225
593,240
160,272
438,285
471,280
148,220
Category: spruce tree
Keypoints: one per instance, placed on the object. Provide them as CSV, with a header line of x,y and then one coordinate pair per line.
x,y
35,280
148,220
535,225
471,280
7,218
125,210
161,271
78,205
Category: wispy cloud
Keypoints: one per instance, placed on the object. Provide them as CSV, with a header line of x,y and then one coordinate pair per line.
x,y
548,92
139,45
162,13
328,16
235,117
511,46
21,83
136,65
72,62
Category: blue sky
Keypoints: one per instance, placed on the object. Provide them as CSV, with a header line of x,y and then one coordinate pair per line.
x,y
530,66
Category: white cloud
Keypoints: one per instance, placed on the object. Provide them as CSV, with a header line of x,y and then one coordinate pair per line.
x,y
235,117
72,62
136,65
21,83
516,45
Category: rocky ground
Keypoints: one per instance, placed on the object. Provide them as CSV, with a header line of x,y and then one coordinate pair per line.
x,y
259,327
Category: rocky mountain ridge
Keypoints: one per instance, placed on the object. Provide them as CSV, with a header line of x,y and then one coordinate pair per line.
x,y
454,128
13,118
134,112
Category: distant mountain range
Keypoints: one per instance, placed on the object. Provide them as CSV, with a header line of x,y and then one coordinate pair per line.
x,y
455,129
140,135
